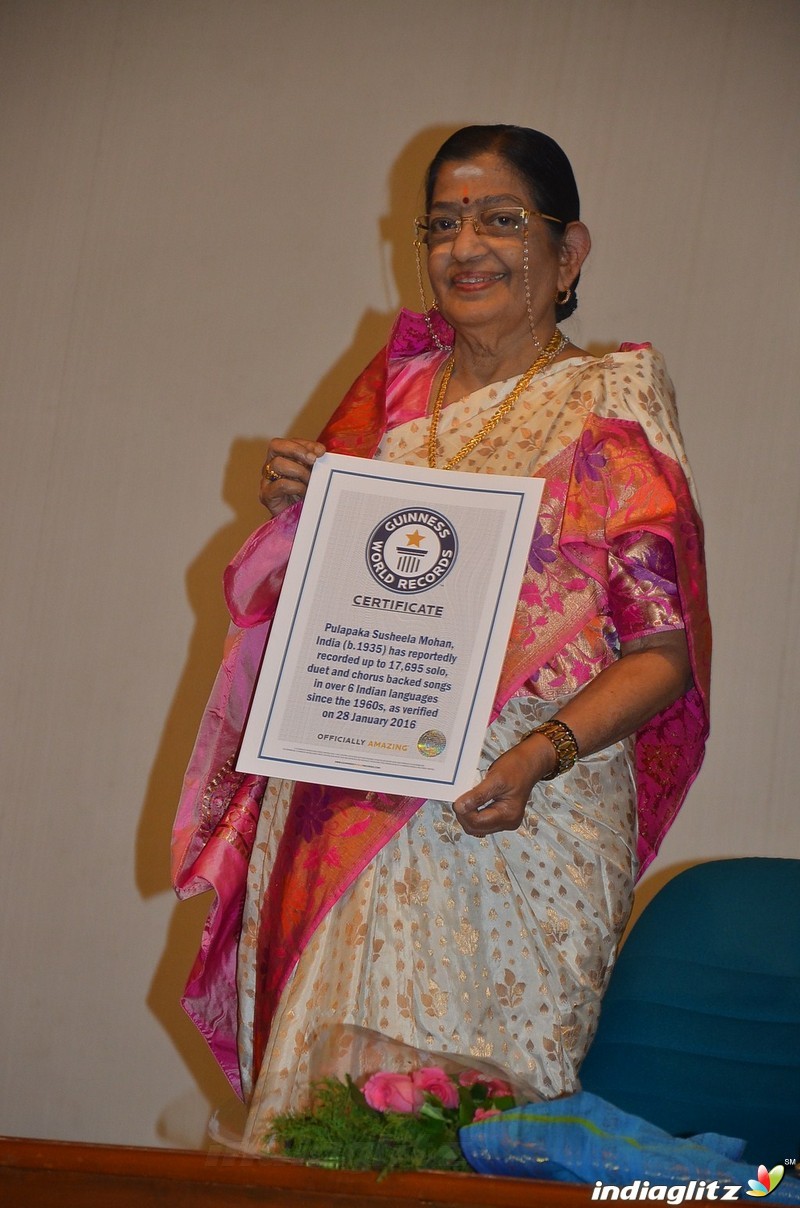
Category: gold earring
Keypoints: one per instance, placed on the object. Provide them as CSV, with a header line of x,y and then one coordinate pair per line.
x,y
567,295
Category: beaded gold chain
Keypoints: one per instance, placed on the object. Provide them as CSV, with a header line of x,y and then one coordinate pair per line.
x,y
554,347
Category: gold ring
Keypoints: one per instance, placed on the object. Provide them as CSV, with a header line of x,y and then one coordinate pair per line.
x,y
271,475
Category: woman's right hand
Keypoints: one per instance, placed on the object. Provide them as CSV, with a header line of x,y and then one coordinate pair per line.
x,y
291,460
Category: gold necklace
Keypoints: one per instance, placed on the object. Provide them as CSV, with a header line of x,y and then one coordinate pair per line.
x,y
554,347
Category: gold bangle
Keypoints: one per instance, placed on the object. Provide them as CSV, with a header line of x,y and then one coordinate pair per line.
x,y
563,740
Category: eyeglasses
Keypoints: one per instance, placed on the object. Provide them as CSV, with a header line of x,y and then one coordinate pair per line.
x,y
499,222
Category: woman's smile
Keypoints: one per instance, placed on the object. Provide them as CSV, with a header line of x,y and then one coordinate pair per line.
x,y
473,282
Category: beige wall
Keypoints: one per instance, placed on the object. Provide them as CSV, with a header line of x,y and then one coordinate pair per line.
x,y
159,317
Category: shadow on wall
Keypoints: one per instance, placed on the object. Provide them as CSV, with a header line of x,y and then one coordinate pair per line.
x,y
204,590
179,1124
203,585
395,232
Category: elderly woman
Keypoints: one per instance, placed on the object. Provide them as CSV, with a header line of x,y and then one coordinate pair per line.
x,y
355,932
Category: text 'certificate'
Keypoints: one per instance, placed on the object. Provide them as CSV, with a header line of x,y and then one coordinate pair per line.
x,y
391,628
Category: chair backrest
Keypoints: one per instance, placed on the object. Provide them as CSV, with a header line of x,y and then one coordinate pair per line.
x,y
700,1026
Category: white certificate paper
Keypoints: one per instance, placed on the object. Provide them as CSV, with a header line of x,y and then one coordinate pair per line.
x,y
391,628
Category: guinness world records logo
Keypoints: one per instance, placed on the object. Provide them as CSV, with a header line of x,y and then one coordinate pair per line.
x,y
411,550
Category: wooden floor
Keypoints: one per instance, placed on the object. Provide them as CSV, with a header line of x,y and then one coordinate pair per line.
x,y
57,1174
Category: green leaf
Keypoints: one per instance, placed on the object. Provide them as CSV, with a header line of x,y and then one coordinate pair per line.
x,y
357,1096
466,1108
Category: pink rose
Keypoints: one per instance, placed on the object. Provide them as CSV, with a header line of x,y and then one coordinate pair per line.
x,y
497,1088
494,1086
470,1077
484,1113
393,1093
435,1081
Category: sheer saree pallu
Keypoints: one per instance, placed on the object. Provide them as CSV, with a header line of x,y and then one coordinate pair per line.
x,y
617,510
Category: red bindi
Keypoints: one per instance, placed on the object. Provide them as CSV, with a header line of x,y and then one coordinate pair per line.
x,y
465,201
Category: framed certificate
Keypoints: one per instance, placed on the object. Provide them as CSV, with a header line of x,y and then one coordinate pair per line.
x,y
391,628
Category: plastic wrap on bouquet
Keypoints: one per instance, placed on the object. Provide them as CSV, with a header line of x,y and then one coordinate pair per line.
x,y
584,1139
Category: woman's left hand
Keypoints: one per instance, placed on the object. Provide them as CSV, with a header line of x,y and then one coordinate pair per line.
x,y
653,672
498,802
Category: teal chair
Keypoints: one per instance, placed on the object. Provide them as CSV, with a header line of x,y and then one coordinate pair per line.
x,y
700,1026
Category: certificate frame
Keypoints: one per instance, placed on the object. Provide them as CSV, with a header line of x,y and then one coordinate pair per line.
x,y
390,631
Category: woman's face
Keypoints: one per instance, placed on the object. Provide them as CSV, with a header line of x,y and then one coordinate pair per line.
x,y
479,281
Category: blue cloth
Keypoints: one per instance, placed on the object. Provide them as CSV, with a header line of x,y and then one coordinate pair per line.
x,y
584,1139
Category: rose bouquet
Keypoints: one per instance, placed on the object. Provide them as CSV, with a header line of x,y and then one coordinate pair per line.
x,y
397,1122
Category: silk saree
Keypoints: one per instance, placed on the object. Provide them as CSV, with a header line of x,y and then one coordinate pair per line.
x,y
356,931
